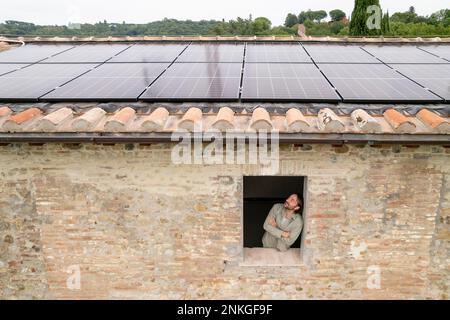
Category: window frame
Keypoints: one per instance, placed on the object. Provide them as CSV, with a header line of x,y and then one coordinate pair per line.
x,y
302,262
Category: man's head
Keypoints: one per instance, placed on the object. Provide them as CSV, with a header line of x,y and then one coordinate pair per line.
x,y
294,202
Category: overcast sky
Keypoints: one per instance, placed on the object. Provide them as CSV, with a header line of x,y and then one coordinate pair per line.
x,y
141,11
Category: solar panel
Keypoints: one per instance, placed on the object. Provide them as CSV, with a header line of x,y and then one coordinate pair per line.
x,y
401,54
334,53
434,77
282,53
6,68
374,83
28,84
90,53
111,81
290,82
442,51
31,53
150,53
213,53
197,81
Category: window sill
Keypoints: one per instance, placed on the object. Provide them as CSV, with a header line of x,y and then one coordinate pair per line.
x,y
267,257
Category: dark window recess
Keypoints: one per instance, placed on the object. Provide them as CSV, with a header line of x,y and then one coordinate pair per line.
x,y
260,194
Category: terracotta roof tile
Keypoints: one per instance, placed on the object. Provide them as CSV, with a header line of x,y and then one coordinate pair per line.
x,y
329,122
296,121
52,120
5,111
224,119
190,119
399,122
20,120
156,120
261,120
434,121
366,123
165,119
120,120
88,120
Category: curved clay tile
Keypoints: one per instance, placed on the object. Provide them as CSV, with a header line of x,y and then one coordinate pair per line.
x,y
120,120
191,119
399,122
433,121
51,121
224,119
329,121
156,120
88,120
295,120
18,121
261,120
5,111
365,122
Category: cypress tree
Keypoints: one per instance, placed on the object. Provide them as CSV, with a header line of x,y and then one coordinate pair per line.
x,y
358,22
388,23
385,24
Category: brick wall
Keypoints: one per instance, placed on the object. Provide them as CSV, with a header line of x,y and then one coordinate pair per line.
x,y
137,226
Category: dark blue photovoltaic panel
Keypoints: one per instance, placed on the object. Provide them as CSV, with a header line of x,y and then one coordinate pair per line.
x,y
374,82
338,53
180,71
289,82
110,81
197,81
34,81
435,77
401,54
150,53
276,53
32,53
213,53
88,53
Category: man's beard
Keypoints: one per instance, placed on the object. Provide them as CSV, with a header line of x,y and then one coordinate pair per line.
x,y
286,205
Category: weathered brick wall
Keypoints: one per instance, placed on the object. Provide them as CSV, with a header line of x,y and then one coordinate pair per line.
x,y
140,227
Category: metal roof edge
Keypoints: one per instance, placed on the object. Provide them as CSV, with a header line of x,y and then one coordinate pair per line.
x,y
284,138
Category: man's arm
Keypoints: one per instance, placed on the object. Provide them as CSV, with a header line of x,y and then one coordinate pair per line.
x,y
294,231
268,227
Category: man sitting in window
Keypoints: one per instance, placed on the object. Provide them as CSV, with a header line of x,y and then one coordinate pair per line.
x,y
283,225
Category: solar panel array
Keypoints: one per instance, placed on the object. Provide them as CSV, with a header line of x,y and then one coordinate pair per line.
x,y
197,81
182,71
289,82
374,82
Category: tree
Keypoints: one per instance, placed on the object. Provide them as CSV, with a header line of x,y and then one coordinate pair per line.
x,y
385,24
315,16
291,20
337,15
360,16
441,16
318,16
261,25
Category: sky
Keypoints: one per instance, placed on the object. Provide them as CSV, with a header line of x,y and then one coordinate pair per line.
x,y
61,12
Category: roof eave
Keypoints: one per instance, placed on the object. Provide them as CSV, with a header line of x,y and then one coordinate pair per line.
x,y
284,138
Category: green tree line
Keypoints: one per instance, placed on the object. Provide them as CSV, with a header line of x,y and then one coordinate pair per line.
x,y
317,23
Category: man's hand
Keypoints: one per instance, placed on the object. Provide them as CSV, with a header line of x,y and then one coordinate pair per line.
x,y
272,222
285,234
